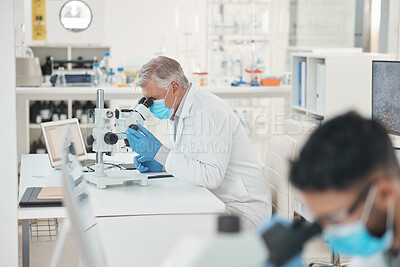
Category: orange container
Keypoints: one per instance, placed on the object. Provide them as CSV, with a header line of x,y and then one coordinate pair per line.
x,y
270,82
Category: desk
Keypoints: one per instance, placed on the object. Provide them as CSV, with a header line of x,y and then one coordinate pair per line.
x,y
165,232
161,197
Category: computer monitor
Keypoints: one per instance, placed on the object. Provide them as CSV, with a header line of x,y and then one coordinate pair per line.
x,y
386,94
53,133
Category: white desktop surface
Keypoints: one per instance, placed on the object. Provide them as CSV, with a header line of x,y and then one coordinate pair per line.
x,y
161,196
148,240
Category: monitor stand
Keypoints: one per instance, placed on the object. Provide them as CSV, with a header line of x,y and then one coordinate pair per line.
x,y
395,141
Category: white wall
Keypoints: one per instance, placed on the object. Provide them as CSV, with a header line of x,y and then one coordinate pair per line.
x,y
393,28
55,32
8,142
135,30
325,23
140,29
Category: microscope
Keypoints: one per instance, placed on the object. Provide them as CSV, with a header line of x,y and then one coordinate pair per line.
x,y
104,140
277,245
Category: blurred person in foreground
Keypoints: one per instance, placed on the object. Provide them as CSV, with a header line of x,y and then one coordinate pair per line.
x,y
349,178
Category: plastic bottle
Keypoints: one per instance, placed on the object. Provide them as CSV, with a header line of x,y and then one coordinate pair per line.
x,y
63,111
97,75
77,110
111,79
237,63
45,111
61,80
217,64
34,111
89,108
105,63
121,78
53,112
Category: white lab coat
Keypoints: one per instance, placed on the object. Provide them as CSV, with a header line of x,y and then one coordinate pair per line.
x,y
211,148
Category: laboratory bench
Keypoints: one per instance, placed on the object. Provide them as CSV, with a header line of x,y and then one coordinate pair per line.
x,y
134,220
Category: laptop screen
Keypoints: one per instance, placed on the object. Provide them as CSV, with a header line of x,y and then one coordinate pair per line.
x,y
53,134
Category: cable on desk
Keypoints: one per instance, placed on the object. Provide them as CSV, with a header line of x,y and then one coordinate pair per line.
x,y
113,165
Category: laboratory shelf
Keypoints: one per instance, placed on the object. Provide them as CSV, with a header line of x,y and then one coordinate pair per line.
x,y
82,125
54,93
231,40
308,111
34,126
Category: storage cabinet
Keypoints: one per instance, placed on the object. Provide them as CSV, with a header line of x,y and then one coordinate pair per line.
x,y
62,52
327,84
44,111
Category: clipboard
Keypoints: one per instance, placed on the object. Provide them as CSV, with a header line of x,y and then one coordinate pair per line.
x,y
30,199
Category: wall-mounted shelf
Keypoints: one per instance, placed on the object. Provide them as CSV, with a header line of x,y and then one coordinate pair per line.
x,y
89,93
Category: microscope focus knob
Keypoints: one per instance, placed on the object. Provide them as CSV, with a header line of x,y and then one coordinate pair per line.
x,y
109,114
90,140
110,138
134,127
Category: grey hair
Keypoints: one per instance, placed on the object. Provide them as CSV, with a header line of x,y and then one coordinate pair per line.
x,y
164,71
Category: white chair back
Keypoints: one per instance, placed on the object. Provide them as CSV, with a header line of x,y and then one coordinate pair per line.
x,y
300,131
281,150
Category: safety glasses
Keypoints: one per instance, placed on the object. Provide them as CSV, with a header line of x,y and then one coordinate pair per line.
x,y
339,216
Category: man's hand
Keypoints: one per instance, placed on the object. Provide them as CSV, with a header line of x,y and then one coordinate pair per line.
x,y
146,164
143,142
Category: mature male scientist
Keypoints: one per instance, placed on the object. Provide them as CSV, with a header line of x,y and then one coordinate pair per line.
x,y
349,177
209,146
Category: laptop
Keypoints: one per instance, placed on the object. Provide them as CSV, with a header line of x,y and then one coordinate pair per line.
x,y
53,133
80,213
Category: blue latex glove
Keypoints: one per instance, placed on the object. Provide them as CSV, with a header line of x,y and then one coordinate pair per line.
x,y
147,164
143,142
296,261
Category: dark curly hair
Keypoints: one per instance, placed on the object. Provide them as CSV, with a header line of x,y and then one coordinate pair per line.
x,y
343,153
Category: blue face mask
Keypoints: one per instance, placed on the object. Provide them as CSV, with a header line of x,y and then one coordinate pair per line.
x,y
354,239
160,110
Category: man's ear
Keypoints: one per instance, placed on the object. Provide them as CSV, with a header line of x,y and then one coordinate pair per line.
x,y
175,87
386,192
